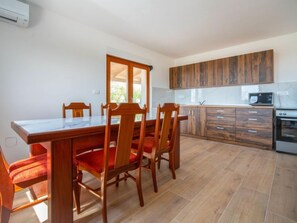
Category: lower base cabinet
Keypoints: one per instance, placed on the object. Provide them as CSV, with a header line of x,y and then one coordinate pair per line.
x,y
251,126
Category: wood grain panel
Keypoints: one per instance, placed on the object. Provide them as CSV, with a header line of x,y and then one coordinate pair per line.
x,y
197,75
240,69
252,68
220,119
218,72
248,68
210,73
220,131
269,66
233,75
267,112
203,74
226,71
254,122
221,110
254,136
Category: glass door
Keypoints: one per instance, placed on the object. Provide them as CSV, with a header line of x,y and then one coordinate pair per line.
x,y
118,82
127,81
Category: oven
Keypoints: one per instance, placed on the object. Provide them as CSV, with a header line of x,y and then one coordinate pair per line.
x,y
286,130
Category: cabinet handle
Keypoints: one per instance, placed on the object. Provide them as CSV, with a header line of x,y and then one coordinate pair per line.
x,y
253,112
220,110
252,131
253,119
220,117
220,128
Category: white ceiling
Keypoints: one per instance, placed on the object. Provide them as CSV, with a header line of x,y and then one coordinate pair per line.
x,y
179,28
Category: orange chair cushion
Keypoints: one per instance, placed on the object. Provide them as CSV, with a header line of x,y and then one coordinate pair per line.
x,y
29,171
148,144
94,160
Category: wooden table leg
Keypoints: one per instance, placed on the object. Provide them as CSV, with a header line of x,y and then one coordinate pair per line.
x,y
60,204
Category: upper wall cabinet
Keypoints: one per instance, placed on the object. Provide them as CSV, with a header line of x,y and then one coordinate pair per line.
x,y
253,68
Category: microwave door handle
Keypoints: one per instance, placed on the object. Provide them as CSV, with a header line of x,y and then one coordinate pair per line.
x,y
288,119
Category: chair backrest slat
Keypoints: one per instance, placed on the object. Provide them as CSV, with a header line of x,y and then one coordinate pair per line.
x,y
167,127
77,109
111,105
126,113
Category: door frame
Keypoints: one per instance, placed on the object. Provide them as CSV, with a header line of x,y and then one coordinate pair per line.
x,y
130,64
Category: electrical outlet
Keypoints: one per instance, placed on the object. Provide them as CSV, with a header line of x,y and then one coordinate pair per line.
x,y
96,91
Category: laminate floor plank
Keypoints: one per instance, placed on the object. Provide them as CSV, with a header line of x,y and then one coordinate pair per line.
x,y
260,176
216,182
246,206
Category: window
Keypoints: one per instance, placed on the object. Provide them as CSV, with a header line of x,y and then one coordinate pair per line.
x,y
127,81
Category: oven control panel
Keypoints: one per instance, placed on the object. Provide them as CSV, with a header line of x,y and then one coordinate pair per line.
x,y
286,113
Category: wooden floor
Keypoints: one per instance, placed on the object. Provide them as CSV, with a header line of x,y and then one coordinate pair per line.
x,y
216,183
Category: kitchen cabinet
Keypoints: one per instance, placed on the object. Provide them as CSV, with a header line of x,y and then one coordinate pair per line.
x,y
255,126
220,123
252,68
249,126
195,125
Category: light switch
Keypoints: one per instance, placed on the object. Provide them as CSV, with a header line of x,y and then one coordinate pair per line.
x,y
96,91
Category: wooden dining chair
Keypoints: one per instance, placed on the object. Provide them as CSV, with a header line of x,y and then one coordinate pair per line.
x,y
17,176
77,109
163,140
104,107
107,164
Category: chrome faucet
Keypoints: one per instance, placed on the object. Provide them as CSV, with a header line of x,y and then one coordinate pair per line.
x,y
202,102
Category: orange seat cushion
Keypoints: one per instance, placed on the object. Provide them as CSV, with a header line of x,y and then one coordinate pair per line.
x,y
29,171
148,144
94,160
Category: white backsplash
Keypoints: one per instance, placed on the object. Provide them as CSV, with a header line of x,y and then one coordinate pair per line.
x,y
285,94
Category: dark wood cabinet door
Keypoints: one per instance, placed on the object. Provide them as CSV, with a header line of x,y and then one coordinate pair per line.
x,y
218,72
185,125
230,66
252,68
204,74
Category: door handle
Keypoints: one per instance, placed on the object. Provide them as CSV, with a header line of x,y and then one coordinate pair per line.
x,y
252,131
253,119
220,128
220,117
253,112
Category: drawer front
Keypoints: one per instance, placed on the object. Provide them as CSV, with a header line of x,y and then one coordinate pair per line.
x,y
255,112
220,131
220,119
254,136
254,122
218,110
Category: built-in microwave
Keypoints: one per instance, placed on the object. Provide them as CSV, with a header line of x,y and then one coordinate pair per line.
x,y
261,98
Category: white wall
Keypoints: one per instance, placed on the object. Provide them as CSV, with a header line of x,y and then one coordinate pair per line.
x,y
57,60
285,55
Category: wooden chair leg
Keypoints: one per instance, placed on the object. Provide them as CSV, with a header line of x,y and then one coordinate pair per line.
x,y
171,164
103,200
6,206
153,169
117,180
77,191
139,188
159,161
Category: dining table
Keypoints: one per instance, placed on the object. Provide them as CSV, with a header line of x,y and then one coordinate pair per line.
x,y
63,137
